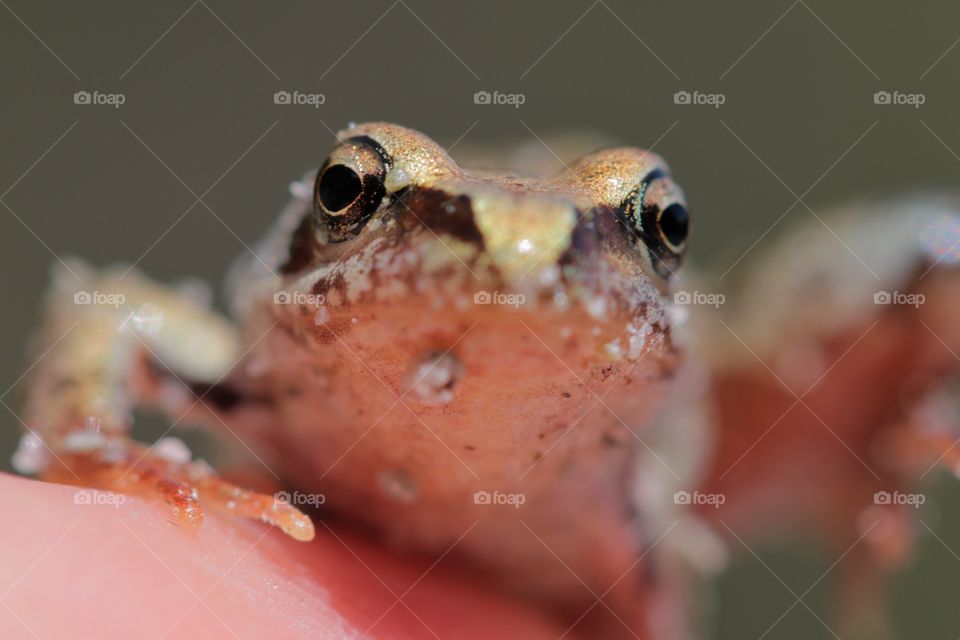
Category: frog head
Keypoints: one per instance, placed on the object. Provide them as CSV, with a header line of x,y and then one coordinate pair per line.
x,y
396,221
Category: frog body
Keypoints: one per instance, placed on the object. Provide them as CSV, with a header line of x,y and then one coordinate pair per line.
x,y
486,366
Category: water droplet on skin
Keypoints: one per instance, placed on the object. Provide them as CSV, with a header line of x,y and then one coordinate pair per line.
x,y
399,485
561,301
549,275
321,317
31,456
597,307
147,320
173,450
613,349
433,377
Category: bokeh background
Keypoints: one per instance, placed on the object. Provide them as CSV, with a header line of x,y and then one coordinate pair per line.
x,y
198,79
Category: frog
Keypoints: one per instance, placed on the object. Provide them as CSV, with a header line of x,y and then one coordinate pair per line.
x,y
502,368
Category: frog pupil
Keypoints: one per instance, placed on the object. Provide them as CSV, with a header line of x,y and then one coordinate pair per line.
x,y
674,223
339,186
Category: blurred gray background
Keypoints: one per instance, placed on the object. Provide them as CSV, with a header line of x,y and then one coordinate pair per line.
x,y
198,80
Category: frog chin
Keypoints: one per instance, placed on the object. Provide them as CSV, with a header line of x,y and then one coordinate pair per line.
x,y
432,394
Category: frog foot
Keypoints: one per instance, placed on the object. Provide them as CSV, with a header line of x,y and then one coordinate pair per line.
x,y
165,472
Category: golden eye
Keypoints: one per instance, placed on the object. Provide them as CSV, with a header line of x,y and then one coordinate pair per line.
x,y
349,187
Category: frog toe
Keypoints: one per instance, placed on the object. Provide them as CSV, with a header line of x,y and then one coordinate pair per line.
x,y
165,472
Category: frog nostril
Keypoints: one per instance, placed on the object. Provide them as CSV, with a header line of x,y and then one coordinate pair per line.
x,y
432,377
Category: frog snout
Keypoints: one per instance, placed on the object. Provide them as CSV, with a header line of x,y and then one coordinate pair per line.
x,y
523,232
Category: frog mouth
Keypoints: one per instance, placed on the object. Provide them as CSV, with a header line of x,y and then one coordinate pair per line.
x,y
427,282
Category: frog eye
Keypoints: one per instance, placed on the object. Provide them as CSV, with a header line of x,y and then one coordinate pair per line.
x,y
673,224
657,214
349,187
338,187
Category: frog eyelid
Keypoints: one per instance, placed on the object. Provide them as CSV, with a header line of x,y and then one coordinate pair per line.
x,y
369,142
633,208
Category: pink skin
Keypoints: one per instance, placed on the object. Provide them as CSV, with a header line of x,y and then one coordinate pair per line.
x,y
69,570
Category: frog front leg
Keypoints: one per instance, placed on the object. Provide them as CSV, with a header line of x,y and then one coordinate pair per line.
x,y
111,341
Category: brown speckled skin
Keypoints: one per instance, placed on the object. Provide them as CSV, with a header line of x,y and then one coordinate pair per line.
x,y
555,394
